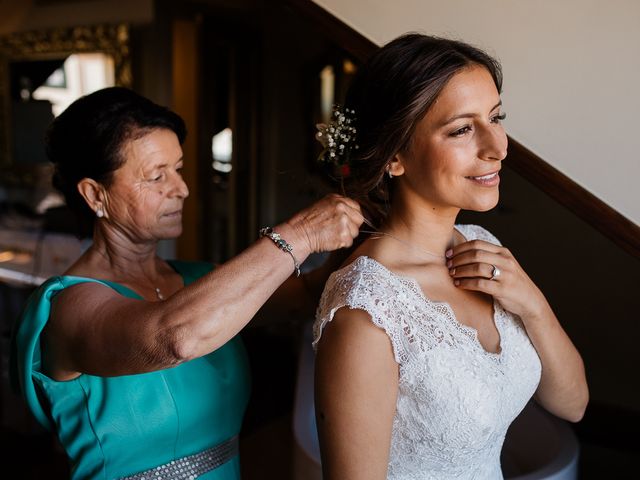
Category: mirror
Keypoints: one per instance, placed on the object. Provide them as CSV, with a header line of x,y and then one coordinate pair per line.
x,y
42,72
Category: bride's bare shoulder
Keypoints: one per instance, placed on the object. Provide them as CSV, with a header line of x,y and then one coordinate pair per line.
x,y
386,253
375,248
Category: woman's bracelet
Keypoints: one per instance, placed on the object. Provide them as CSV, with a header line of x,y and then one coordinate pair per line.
x,y
282,244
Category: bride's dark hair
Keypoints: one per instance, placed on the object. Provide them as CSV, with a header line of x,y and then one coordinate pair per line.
x,y
390,94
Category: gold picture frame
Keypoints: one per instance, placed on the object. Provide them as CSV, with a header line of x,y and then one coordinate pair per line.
x,y
55,43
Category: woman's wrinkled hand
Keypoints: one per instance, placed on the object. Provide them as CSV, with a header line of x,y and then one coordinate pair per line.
x,y
329,224
492,269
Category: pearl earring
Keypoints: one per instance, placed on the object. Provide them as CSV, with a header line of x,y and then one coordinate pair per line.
x,y
389,173
99,213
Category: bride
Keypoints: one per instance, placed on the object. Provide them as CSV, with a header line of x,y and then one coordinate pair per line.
x,y
432,338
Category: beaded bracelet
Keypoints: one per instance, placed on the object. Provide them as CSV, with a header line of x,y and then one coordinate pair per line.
x,y
281,244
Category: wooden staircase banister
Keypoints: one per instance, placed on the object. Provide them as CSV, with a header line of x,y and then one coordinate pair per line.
x,y
582,203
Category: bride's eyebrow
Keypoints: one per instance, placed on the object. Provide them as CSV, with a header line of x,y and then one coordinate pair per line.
x,y
466,115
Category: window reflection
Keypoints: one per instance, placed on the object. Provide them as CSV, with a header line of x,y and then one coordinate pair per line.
x,y
222,151
42,89
327,92
79,75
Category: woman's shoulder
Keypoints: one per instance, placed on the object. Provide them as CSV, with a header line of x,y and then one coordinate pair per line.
x,y
477,232
361,272
364,287
53,286
39,304
363,284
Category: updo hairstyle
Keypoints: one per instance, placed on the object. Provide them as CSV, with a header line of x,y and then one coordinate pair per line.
x,y
88,140
390,94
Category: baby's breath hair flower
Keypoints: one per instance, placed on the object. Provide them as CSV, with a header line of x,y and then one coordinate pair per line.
x,y
338,138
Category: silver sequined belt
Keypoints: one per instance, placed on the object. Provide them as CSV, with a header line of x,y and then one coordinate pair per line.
x,y
191,466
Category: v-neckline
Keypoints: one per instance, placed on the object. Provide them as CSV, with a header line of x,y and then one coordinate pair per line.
x,y
470,332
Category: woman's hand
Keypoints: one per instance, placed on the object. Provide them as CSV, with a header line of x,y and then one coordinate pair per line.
x,y
328,224
475,265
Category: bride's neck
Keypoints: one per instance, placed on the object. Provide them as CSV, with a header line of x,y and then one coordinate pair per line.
x,y
425,227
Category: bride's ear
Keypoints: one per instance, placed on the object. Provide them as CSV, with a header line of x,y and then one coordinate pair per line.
x,y
395,168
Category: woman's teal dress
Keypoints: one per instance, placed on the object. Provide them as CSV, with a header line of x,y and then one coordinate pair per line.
x,y
112,427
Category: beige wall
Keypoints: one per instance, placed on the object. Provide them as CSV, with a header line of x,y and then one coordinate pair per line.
x,y
572,76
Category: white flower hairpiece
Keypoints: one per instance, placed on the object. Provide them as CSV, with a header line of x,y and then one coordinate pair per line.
x,y
338,137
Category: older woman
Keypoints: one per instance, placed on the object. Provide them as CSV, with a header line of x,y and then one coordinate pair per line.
x,y
132,360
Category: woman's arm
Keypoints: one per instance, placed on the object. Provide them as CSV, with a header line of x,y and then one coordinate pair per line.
x,y
563,387
356,386
94,330
298,297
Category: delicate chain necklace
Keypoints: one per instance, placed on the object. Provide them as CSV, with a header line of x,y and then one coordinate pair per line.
x,y
404,242
156,289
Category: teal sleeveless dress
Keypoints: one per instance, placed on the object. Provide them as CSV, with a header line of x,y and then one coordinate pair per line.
x,y
113,427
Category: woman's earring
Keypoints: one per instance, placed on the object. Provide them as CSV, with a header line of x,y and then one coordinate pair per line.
x,y
389,173
99,213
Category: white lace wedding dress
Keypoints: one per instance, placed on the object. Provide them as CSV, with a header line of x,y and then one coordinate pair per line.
x,y
455,399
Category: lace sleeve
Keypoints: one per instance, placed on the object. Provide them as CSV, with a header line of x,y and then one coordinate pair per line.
x,y
358,287
476,232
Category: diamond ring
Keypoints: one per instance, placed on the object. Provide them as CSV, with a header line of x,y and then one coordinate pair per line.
x,y
495,273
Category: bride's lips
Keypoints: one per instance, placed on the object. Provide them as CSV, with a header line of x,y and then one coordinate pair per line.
x,y
486,180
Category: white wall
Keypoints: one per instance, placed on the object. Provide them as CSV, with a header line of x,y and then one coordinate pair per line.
x,y
572,76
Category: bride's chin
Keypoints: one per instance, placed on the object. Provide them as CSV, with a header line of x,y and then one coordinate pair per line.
x,y
484,206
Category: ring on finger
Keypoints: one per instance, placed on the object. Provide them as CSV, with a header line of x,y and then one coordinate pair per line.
x,y
495,273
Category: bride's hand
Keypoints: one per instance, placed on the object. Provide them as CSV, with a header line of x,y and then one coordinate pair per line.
x,y
492,269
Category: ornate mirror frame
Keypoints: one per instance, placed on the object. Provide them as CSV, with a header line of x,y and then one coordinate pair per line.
x,y
54,43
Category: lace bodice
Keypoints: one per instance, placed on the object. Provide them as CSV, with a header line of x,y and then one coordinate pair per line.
x,y
455,399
